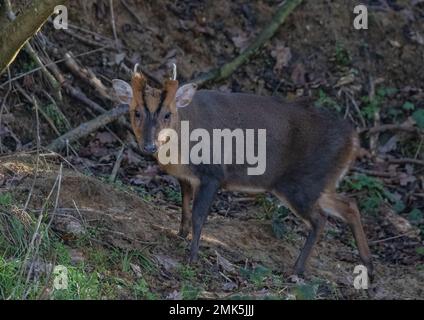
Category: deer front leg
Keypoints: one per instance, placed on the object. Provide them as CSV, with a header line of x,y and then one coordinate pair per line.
x,y
203,199
186,195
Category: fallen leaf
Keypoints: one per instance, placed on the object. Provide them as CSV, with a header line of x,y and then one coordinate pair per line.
x,y
224,263
175,295
282,55
395,43
105,137
166,262
348,79
298,74
390,145
402,225
132,158
137,270
229,286
241,41
405,179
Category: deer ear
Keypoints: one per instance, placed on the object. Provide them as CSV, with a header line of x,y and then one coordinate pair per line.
x,y
123,91
185,95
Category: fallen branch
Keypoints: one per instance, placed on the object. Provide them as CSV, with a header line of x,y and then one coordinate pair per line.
x,y
405,161
374,173
88,76
20,76
88,127
107,44
117,165
226,70
393,127
76,93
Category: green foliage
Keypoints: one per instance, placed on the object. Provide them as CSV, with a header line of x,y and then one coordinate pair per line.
x,y
306,291
420,251
172,195
256,275
415,215
408,106
326,101
82,285
418,116
6,199
57,117
342,55
186,272
278,221
372,106
9,278
375,194
124,259
28,66
190,292
141,290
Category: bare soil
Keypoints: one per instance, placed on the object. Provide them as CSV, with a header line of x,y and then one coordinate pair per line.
x,y
125,221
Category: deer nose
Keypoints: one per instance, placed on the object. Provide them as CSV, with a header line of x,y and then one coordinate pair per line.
x,y
150,148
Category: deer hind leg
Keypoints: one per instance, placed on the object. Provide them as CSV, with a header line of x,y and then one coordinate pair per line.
x,y
317,223
314,218
346,209
186,195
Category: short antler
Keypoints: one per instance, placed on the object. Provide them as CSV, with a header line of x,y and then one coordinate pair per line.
x,y
136,68
174,72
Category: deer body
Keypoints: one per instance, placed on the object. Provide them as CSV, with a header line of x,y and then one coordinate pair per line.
x,y
308,151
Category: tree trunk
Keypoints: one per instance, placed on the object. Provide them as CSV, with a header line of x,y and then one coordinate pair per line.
x,y
14,34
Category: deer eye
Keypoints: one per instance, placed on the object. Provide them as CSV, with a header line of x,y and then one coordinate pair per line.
x,y
137,114
167,116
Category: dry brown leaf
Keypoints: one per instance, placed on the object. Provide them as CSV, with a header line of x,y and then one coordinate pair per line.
x,y
282,55
224,263
298,74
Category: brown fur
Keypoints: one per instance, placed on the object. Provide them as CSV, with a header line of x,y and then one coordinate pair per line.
x,y
308,151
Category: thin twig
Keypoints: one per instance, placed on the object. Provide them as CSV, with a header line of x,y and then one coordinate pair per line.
x,y
393,127
47,65
391,238
43,113
405,161
3,104
56,202
112,17
117,165
375,173
132,12
86,41
37,164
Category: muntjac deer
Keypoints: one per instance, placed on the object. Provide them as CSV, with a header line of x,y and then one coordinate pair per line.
x,y
308,152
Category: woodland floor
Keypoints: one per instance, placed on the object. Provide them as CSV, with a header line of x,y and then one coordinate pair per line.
x,y
119,238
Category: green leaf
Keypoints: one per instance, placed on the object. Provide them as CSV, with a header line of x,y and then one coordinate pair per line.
x,y
415,215
306,292
399,206
420,251
418,116
409,106
5,199
382,92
